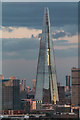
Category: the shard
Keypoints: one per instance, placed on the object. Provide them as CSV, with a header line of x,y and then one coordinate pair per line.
x,y
46,84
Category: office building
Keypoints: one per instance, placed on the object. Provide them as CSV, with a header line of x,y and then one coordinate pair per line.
x,y
10,94
34,85
67,82
46,84
61,92
75,87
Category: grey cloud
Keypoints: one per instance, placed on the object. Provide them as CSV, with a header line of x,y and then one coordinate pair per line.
x,y
69,30
71,52
29,49
31,14
19,44
59,34
7,29
63,43
24,48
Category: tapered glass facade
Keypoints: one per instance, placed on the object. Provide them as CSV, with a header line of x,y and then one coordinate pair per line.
x,y
46,84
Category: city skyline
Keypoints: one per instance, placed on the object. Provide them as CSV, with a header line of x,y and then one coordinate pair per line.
x,y
21,30
40,76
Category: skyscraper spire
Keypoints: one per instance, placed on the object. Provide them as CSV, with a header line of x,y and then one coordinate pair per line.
x,y
46,84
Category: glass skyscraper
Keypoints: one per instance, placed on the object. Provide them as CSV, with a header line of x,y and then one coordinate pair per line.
x,y
46,84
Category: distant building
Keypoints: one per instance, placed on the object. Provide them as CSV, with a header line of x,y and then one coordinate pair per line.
x,y
1,77
36,105
23,90
68,90
30,95
23,84
34,85
25,105
31,91
28,104
28,89
75,87
67,82
12,77
10,94
61,92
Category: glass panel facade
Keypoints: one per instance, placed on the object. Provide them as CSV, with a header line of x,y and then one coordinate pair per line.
x,y
46,84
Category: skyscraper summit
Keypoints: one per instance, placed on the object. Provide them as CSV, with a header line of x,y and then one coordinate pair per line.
x,y
46,84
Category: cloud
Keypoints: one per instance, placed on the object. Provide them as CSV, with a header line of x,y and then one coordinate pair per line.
x,y
31,15
19,44
20,40
64,53
63,38
71,39
20,48
72,29
59,34
24,38
7,29
64,45
11,53
19,32
41,1
29,48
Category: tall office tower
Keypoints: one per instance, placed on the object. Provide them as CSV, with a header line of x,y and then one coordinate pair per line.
x,y
34,85
10,94
46,84
67,82
23,84
75,87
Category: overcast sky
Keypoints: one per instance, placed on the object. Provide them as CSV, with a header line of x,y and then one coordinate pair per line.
x,y
39,0
21,32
